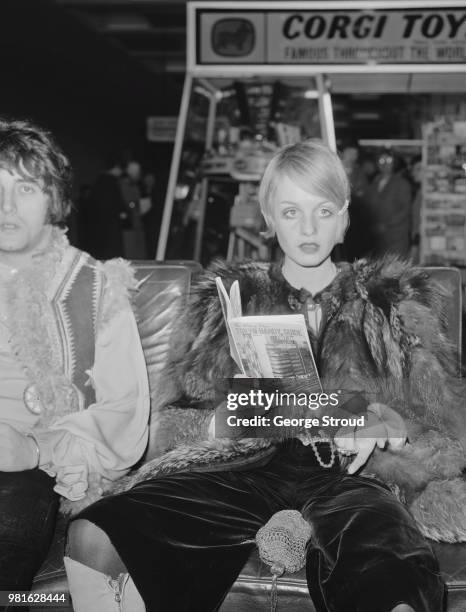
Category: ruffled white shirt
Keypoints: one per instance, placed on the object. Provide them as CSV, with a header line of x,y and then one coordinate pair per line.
x,y
102,442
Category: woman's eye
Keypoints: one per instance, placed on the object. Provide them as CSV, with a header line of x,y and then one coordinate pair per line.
x,y
290,213
325,212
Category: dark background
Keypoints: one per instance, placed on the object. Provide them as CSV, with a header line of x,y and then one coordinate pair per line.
x,y
93,70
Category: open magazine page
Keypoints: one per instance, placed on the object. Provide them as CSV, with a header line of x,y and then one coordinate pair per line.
x,y
274,347
231,307
267,346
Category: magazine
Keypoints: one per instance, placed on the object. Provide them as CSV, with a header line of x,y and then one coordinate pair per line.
x,y
267,346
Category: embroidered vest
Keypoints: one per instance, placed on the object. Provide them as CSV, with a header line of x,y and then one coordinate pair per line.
x,y
54,321
76,305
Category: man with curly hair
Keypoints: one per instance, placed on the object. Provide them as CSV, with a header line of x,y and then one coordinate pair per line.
x,y
73,385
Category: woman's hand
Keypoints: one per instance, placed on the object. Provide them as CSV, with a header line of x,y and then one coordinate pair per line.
x,y
383,426
17,452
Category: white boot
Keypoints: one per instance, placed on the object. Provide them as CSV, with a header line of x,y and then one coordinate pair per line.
x,y
92,591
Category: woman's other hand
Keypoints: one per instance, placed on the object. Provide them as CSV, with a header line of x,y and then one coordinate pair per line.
x,y
383,426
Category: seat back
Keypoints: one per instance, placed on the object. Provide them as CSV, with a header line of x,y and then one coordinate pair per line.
x,y
163,290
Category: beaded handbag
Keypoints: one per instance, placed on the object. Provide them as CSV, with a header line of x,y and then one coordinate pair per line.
x,y
282,546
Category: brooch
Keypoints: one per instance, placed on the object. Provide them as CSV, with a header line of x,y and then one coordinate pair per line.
x,y
32,400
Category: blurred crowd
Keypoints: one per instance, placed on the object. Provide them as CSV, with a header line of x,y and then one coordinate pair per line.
x,y
119,215
385,204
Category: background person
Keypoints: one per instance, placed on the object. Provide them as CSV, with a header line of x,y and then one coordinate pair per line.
x,y
388,209
134,242
151,211
105,214
356,240
73,384
416,182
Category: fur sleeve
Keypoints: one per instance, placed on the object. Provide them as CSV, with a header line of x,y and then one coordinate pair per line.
x,y
200,357
199,361
411,329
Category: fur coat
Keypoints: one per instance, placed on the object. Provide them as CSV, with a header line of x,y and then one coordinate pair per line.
x,y
384,335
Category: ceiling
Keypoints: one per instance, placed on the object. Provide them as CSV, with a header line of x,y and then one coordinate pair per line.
x,y
154,33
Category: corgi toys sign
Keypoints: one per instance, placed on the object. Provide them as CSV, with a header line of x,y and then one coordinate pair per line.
x,y
324,36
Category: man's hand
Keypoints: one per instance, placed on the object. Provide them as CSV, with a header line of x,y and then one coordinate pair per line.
x,y
382,426
17,452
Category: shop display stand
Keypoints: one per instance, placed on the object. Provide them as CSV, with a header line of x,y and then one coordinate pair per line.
x,y
229,158
443,209
245,240
228,162
201,75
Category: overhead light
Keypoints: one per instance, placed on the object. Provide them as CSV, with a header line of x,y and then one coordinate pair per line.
x,y
311,94
366,116
126,23
175,66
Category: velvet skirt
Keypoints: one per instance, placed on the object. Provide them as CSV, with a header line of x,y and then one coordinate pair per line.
x,y
185,537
